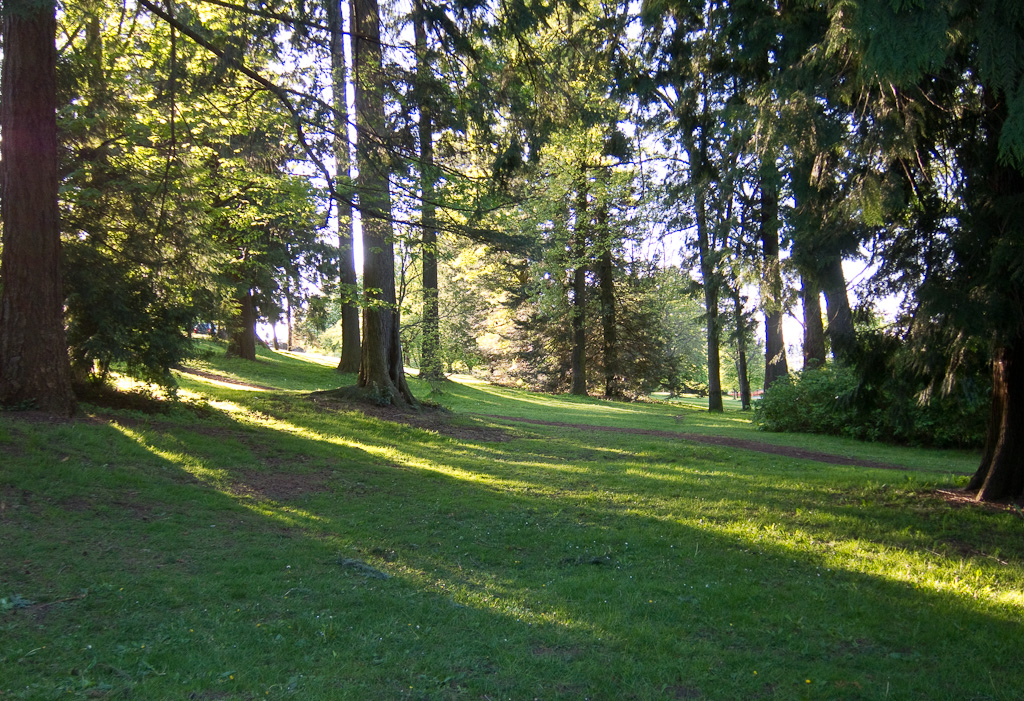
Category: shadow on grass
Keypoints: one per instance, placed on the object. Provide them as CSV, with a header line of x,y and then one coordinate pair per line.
x,y
536,568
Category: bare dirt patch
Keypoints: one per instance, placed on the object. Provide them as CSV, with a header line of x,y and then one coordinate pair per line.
x,y
280,486
723,441
962,498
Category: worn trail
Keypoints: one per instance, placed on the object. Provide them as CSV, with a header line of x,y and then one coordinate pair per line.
x,y
726,442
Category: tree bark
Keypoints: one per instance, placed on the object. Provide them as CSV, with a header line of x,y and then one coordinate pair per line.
x,y
34,365
242,343
578,313
430,354
610,349
814,329
1001,473
709,277
840,317
741,352
381,372
350,344
776,365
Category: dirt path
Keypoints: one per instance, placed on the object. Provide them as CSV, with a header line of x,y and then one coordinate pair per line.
x,y
741,443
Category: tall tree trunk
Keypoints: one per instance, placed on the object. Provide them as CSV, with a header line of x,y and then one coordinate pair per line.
x,y
288,317
350,348
34,365
606,291
381,372
776,365
430,360
840,317
1001,472
578,313
610,349
814,329
242,343
741,351
709,276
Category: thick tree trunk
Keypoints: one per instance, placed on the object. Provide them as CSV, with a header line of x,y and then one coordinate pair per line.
x,y
34,365
814,328
776,365
998,217
840,317
430,355
350,349
578,313
381,372
1001,473
242,343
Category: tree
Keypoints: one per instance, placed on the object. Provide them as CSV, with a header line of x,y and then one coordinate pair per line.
x,y
430,356
381,371
351,352
945,81
776,364
34,366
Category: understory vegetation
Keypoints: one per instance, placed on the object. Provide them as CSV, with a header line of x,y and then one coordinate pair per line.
x,y
836,400
256,539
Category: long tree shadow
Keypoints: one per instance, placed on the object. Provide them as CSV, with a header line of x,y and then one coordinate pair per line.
x,y
545,586
519,508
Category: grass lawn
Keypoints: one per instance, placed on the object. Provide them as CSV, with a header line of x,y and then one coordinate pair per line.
x,y
254,543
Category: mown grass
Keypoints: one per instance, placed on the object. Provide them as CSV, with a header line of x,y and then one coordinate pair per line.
x,y
252,544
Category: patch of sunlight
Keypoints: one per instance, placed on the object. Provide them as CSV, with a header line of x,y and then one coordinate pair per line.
x,y
316,358
467,379
186,462
499,597
225,383
287,515
257,419
550,402
923,570
123,383
1013,599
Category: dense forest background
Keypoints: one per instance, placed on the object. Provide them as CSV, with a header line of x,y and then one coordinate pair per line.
x,y
601,198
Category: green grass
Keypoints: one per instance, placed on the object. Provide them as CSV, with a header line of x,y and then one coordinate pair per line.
x,y
250,544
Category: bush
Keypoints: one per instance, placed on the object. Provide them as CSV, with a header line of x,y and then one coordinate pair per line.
x,y
835,400
812,401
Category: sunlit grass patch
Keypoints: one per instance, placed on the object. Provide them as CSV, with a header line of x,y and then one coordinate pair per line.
x,y
273,548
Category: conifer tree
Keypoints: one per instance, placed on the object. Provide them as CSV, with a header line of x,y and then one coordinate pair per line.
x,y
34,366
938,81
381,371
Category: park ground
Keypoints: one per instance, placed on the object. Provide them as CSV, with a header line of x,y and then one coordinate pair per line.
x,y
256,539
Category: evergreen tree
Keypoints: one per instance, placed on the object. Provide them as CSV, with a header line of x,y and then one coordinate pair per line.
x,y
945,81
34,367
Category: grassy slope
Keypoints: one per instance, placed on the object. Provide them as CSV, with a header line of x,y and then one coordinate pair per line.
x,y
235,553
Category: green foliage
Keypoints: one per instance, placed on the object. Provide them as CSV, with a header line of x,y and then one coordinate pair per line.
x,y
118,313
836,400
815,400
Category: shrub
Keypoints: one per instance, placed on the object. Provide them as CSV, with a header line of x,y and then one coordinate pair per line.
x,y
816,400
836,400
